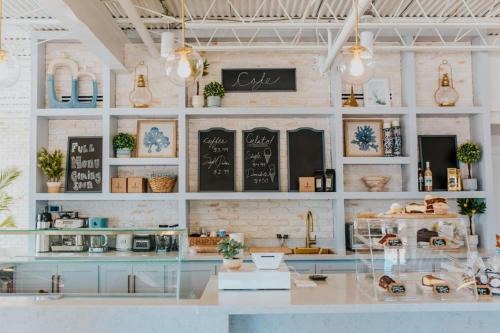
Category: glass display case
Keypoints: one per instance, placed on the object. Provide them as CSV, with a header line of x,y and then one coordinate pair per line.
x,y
413,258
94,262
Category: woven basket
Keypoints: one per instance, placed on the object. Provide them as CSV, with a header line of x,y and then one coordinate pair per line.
x,y
162,184
193,241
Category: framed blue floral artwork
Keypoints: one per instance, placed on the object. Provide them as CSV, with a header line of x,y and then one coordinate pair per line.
x,y
157,138
363,137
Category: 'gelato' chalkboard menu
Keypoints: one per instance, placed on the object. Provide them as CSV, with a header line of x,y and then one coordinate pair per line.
x,y
216,147
261,160
84,164
305,154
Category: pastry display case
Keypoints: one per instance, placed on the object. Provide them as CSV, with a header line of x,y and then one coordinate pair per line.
x,y
413,257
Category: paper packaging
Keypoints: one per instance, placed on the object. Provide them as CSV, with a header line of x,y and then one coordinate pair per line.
x,y
454,181
118,185
136,185
306,184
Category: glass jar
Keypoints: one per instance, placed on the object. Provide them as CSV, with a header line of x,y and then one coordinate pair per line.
x,y
330,180
319,181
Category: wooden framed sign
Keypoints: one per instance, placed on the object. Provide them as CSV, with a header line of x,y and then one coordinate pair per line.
x,y
484,291
259,79
397,289
216,157
261,156
441,289
306,149
84,164
438,243
394,242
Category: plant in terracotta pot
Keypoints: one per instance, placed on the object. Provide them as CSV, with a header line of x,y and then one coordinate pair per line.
x,y
198,101
469,153
51,165
213,92
471,208
229,249
7,177
123,144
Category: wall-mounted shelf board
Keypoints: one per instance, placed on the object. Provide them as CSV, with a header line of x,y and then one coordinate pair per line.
x,y
70,113
451,111
106,196
376,160
259,111
377,111
139,113
411,195
262,196
143,161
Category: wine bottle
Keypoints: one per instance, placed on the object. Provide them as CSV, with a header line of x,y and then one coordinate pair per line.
x,y
428,177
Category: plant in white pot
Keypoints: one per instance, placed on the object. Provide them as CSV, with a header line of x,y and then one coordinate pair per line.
x,y
471,208
214,91
198,101
7,177
229,249
123,144
51,165
469,153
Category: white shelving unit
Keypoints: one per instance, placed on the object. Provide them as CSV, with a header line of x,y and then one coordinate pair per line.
x,y
480,131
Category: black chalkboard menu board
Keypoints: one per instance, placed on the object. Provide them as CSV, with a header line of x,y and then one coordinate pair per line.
x,y
261,160
84,164
305,154
216,147
259,79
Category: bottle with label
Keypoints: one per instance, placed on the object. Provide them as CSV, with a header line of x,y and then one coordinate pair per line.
x,y
319,181
420,179
388,141
428,177
397,145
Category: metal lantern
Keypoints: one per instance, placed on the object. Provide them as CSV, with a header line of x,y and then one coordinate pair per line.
x,y
445,94
140,96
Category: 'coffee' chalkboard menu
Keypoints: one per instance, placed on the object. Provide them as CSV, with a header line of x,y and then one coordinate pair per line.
x,y
216,147
259,79
261,160
84,164
305,154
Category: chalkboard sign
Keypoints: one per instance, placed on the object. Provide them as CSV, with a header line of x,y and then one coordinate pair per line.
x,y
394,242
438,242
397,289
261,158
84,164
216,147
484,291
259,79
442,289
305,154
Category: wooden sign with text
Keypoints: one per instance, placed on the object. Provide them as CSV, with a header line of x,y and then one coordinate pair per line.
x,y
397,289
84,164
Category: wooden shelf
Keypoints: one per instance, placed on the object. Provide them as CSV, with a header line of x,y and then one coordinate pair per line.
x,y
261,196
375,160
147,113
259,111
411,195
143,161
106,196
377,111
75,113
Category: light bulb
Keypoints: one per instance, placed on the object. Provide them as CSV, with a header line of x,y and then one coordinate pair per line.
x,y
357,67
183,68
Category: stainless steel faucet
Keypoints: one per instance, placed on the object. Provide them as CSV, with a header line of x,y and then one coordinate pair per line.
x,y
310,228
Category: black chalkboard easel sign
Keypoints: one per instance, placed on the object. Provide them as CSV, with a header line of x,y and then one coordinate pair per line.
x,y
261,158
259,79
216,147
84,164
306,149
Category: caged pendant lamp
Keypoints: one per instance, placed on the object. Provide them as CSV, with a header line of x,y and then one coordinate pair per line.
x,y
357,64
184,66
9,66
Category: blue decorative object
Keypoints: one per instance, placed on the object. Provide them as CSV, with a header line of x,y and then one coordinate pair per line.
x,y
155,137
365,139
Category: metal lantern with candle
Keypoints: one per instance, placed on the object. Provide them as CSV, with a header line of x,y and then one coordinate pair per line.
x,y
445,94
140,96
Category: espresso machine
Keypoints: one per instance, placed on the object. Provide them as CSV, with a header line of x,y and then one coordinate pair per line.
x,y
69,242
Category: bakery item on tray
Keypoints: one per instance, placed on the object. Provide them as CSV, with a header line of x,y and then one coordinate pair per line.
x,y
385,281
436,205
415,208
425,235
430,280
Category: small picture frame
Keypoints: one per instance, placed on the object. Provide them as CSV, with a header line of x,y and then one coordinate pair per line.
x,y
363,137
377,93
157,138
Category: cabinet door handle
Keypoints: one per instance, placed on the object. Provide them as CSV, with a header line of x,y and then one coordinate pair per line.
x,y
58,283
131,284
134,282
52,284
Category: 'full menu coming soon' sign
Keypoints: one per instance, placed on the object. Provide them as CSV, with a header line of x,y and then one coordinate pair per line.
x,y
84,164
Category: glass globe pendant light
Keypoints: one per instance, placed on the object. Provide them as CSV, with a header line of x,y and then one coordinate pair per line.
x,y
445,94
184,66
9,66
357,65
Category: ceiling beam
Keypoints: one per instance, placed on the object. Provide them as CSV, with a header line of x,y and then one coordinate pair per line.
x,y
343,35
139,26
90,22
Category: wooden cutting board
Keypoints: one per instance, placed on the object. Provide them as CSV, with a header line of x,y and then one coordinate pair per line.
x,y
285,250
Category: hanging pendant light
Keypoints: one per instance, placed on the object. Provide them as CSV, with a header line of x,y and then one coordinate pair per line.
x,y
445,94
9,66
357,64
184,66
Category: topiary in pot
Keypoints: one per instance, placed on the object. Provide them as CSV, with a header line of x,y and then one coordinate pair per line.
x,y
469,153
229,249
213,92
51,165
470,208
123,144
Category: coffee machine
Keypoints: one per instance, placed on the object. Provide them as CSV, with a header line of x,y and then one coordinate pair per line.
x,y
69,242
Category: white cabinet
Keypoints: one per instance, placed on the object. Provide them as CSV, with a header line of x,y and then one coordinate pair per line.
x,y
336,267
131,278
114,278
78,278
194,278
149,278
301,267
35,278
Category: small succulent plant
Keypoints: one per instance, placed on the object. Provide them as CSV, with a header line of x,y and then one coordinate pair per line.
x,y
124,141
51,164
214,88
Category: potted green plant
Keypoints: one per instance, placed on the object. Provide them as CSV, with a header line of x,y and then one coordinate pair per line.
x,y
198,101
7,177
469,153
123,144
471,208
51,165
213,92
230,249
